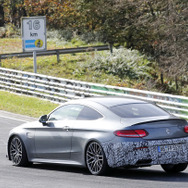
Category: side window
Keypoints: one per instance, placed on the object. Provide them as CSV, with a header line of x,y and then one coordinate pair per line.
x,y
69,112
89,114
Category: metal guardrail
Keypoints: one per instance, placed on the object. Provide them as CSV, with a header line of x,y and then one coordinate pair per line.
x,y
56,52
60,90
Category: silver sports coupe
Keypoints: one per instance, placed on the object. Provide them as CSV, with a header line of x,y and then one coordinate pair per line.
x,y
101,133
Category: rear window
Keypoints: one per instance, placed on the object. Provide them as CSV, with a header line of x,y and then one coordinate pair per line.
x,y
138,110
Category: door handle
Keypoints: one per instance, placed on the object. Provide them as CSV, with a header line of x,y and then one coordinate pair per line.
x,y
66,128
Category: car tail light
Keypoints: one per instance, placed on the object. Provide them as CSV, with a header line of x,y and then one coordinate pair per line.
x,y
186,128
131,133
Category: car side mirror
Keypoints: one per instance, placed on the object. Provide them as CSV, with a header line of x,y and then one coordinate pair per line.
x,y
43,119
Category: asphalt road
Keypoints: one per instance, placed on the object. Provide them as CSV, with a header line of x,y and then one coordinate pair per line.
x,y
52,176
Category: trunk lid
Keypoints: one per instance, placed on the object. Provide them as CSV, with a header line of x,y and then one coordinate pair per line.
x,y
162,128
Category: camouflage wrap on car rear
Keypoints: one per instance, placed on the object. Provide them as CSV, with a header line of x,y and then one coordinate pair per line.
x,y
133,153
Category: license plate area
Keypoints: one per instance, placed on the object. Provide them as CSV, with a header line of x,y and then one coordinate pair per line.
x,y
170,148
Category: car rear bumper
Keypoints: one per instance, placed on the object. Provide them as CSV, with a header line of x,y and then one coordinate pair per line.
x,y
143,153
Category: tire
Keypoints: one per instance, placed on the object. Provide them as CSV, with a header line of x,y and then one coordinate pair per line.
x,y
170,168
95,159
17,152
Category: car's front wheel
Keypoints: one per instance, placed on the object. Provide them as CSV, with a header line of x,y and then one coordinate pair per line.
x,y
17,152
174,168
95,159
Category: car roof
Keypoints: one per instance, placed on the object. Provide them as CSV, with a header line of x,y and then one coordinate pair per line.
x,y
110,101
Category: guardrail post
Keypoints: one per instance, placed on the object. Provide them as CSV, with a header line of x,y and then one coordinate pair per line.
x,y
111,48
57,52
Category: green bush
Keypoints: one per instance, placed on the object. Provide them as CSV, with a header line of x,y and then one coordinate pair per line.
x,y
66,35
2,32
90,37
123,63
12,31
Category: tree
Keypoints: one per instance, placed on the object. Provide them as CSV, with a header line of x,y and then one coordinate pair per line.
x,y
171,44
155,27
1,13
13,11
60,13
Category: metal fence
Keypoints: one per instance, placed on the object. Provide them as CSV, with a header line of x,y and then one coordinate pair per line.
x,y
57,52
60,90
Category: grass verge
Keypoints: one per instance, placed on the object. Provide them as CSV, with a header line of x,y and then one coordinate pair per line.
x,y
24,105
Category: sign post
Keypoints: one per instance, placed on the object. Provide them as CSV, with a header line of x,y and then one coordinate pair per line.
x,y
35,61
34,36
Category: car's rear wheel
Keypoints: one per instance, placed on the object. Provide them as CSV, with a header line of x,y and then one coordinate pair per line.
x,y
95,159
174,168
17,152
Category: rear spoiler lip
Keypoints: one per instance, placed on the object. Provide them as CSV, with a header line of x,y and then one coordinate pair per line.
x,y
151,121
134,122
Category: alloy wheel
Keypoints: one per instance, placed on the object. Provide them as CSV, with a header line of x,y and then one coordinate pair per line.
x,y
16,150
95,159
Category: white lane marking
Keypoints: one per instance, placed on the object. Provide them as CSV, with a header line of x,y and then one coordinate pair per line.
x,y
12,118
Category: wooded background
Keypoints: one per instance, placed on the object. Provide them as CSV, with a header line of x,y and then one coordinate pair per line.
x,y
157,28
